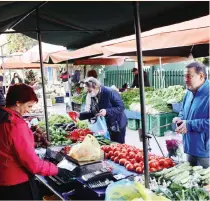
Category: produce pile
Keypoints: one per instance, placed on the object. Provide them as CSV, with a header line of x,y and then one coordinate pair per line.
x,y
79,98
132,158
60,128
156,100
182,182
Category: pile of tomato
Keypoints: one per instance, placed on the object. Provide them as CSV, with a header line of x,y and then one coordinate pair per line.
x,y
133,160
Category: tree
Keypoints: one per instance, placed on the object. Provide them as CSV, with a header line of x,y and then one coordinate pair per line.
x,y
19,43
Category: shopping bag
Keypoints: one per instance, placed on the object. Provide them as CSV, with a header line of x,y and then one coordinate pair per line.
x,y
100,127
114,191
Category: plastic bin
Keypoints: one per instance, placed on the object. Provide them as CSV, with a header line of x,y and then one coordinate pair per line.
x,y
59,99
133,124
158,120
76,107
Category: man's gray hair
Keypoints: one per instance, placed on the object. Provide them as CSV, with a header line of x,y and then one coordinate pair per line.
x,y
93,81
199,67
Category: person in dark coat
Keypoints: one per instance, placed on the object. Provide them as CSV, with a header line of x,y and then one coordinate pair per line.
x,y
108,103
136,79
16,79
2,98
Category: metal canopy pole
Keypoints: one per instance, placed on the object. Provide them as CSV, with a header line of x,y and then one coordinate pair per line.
x,y
141,89
42,74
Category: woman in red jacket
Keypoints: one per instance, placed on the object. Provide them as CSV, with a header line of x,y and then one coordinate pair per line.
x,y
18,159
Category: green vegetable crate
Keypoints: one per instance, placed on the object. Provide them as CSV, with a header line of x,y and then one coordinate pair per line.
x,y
160,120
154,121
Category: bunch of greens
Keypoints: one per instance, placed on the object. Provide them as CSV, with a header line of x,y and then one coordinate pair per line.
x,y
82,124
79,99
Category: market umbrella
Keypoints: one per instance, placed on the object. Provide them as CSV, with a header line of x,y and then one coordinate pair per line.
x,y
16,62
32,55
175,43
180,40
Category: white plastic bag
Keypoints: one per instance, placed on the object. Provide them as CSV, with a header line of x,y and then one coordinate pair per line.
x,y
88,150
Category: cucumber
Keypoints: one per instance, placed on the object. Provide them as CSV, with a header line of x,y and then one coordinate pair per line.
x,y
182,165
206,171
196,168
206,176
185,180
182,176
164,171
173,173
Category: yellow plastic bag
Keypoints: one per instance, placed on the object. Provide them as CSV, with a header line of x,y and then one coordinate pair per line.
x,y
88,150
122,190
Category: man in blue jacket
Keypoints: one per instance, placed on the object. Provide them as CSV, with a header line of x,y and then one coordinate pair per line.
x,y
108,103
193,120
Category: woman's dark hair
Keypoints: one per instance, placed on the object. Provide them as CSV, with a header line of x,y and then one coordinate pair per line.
x,y
20,93
92,73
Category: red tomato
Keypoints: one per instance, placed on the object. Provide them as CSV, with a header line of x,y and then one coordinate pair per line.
x,y
126,163
120,155
161,162
132,155
116,160
129,167
173,164
153,169
133,161
138,157
124,150
159,168
112,158
122,161
153,164
116,153
110,154
139,170
136,165
169,160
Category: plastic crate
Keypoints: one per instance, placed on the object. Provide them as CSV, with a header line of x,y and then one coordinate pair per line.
x,y
133,124
158,120
76,107
59,99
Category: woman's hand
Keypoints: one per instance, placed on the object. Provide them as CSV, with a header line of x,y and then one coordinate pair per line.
x,y
102,113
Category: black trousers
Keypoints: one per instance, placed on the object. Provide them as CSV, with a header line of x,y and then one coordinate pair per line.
x,y
118,137
17,192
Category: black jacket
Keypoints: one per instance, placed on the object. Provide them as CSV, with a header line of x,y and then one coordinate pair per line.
x,y
136,81
2,99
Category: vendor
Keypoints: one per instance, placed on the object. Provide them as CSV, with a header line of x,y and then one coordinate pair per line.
x,y
108,103
18,160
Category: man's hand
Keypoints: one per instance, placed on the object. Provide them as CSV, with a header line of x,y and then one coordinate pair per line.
x,y
182,129
176,119
102,113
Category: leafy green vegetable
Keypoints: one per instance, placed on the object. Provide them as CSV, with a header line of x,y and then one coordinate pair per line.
x,y
82,124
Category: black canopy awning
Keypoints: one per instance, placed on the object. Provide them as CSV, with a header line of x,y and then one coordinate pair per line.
x,y
76,24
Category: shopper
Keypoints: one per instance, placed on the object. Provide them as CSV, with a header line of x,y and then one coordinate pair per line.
x,y
136,79
194,117
2,98
18,160
108,103
16,79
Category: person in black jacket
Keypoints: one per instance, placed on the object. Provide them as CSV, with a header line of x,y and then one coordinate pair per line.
x,y
136,79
